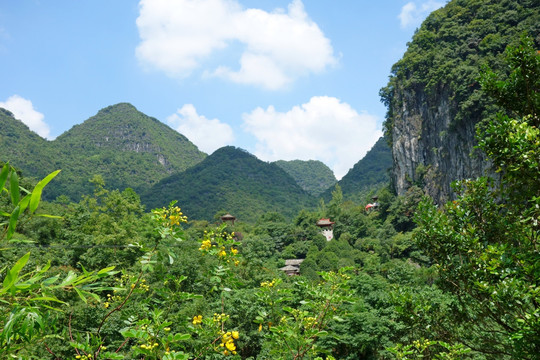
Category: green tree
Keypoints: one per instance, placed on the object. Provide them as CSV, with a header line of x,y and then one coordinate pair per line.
x,y
485,242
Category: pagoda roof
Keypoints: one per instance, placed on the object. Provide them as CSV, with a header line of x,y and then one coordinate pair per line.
x,y
293,262
289,268
325,222
228,216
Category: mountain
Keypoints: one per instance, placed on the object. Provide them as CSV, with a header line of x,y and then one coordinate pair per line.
x,y
313,176
433,96
126,147
230,179
370,173
18,145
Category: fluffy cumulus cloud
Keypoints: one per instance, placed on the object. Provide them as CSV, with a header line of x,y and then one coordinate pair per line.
x,y
324,129
23,110
179,36
412,14
207,134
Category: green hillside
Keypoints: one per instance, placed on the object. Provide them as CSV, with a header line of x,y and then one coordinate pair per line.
x,y
313,176
126,147
370,173
230,179
22,147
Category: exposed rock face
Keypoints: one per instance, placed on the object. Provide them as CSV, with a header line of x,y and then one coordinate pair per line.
x,y
429,148
434,98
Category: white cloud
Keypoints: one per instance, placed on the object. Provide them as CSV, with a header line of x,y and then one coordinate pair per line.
x,y
324,129
208,135
178,36
413,14
23,110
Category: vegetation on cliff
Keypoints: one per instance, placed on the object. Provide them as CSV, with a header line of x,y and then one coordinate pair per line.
x,y
448,50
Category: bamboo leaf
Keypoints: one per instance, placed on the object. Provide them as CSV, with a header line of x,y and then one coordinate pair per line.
x,y
13,222
81,295
23,204
3,176
36,193
46,298
106,270
49,216
13,274
14,188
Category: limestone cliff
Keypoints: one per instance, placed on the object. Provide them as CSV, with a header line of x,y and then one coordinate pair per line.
x,y
433,97
428,149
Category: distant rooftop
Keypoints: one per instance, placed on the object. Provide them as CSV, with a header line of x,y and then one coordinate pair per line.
x,y
325,222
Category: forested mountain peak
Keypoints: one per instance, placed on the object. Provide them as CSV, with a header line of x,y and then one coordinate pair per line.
x,y
126,147
120,124
230,179
123,145
312,175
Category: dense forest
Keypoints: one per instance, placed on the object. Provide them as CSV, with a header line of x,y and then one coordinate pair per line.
x,y
104,277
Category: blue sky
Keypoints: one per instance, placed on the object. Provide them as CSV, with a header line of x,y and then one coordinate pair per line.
x,y
281,79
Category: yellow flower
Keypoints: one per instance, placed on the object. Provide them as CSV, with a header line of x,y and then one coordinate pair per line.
x,y
235,334
234,251
260,327
206,244
197,320
230,346
222,253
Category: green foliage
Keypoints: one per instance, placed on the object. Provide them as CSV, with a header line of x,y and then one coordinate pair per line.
x,y
518,91
446,52
484,243
461,285
28,300
312,176
127,148
231,178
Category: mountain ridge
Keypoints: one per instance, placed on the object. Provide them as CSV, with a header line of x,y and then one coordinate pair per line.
x,y
126,147
234,180
312,175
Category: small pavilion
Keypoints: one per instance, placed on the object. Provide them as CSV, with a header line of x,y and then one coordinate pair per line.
x,y
228,217
292,267
327,228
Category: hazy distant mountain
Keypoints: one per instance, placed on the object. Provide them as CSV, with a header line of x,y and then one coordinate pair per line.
x,y
125,146
234,180
371,172
313,176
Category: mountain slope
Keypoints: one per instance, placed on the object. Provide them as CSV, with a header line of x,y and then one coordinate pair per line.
x,y
371,172
230,179
22,147
313,176
126,147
